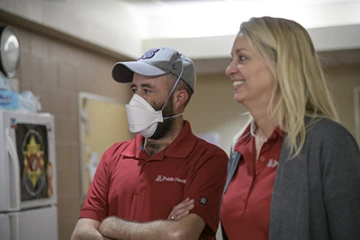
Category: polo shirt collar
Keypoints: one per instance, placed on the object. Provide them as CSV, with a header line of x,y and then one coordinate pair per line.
x,y
246,136
133,147
181,147
183,144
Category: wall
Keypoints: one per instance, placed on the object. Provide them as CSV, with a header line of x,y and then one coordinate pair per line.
x,y
57,71
212,108
97,22
343,80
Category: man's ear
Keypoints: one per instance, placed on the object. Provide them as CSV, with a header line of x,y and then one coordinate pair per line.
x,y
181,97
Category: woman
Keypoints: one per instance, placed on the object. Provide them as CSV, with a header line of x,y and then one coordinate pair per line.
x,y
294,171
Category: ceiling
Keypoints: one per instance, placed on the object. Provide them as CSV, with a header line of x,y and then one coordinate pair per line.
x,y
171,1
218,65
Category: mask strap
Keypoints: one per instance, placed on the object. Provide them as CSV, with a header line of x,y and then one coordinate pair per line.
x,y
177,81
173,116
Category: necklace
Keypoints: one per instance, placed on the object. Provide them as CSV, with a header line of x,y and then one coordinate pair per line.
x,y
259,139
253,128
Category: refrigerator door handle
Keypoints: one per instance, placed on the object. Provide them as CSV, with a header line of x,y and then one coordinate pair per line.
x,y
15,226
15,175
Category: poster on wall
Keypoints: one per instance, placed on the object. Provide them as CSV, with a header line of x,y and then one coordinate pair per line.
x,y
102,122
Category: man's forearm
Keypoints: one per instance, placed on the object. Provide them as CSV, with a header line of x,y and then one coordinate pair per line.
x,y
123,230
87,233
156,230
87,229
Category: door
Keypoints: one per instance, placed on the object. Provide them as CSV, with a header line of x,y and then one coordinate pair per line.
x,y
35,224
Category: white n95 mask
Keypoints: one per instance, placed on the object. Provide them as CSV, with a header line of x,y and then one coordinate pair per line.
x,y
142,117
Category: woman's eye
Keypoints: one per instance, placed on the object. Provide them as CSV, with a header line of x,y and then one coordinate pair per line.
x,y
242,58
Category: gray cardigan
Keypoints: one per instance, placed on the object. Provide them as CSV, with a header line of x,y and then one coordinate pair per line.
x,y
316,195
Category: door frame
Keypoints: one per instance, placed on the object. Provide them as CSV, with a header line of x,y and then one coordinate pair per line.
x,y
357,113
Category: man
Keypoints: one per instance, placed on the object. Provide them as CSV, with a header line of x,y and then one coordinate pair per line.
x,y
139,182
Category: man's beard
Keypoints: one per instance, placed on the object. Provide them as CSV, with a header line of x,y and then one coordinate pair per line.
x,y
164,128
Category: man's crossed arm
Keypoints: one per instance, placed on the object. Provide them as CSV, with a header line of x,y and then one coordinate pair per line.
x,y
188,227
184,226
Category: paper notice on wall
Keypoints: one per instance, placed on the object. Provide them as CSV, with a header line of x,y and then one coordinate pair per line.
x,y
211,137
92,165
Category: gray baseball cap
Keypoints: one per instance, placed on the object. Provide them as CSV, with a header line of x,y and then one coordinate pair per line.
x,y
157,62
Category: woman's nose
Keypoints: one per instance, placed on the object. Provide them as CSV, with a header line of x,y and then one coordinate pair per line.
x,y
231,69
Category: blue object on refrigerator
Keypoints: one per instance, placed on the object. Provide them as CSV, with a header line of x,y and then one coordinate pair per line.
x,y
9,100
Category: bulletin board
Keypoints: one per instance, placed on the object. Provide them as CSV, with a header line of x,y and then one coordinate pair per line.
x,y
102,122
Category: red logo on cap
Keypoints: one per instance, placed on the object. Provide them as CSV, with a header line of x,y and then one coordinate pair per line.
x,y
149,54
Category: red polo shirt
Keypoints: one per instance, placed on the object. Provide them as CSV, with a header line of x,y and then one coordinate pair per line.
x,y
245,210
133,186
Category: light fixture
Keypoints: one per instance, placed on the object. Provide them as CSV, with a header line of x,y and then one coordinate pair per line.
x,y
9,51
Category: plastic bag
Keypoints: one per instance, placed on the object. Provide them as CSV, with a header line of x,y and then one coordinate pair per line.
x,y
29,102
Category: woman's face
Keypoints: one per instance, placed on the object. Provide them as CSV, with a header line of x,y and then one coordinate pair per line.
x,y
252,79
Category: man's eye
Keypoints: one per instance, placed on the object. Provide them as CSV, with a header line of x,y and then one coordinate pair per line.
x,y
134,90
146,91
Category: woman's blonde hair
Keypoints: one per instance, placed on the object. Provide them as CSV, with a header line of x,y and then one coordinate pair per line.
x,y
300,80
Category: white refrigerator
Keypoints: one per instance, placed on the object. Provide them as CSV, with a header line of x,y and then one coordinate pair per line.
x,y
28,197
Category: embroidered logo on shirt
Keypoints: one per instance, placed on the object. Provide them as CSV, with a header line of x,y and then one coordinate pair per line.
x,y
203,200
272,163
162,178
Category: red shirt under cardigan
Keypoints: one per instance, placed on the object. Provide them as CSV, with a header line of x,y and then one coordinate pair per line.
x,y
245,210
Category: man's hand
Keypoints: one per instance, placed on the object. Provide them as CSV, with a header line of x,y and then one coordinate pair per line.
x,y
182,209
